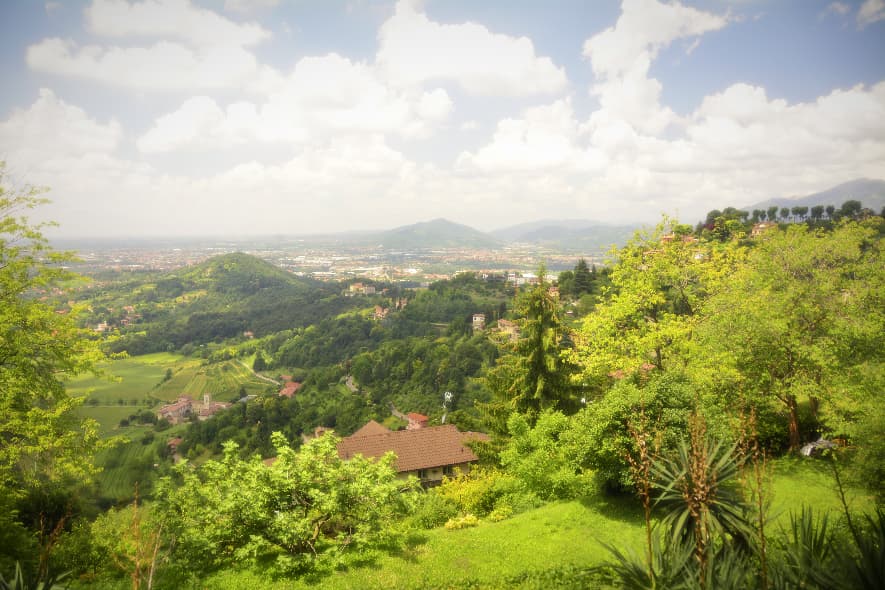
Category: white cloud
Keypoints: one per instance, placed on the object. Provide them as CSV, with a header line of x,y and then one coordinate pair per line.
x,y
414,49
165,66
246,6
322,95
643,29
840,8
170,19
622,55
871,11
51,128
192,49
543,139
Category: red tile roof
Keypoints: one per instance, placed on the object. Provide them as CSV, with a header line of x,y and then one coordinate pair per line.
x,y
417,417
369,429
425,448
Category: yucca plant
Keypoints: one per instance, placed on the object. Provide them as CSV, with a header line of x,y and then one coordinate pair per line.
x,y
699,496
18,582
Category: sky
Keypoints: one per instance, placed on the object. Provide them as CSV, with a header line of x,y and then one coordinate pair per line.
x,y
296,117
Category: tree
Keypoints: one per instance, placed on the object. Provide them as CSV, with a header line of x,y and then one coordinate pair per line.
x,y
307,509
851,209
817,212
801,320
566,284
646,317
831,211
772,213
583,281
535,375
785,213
43,442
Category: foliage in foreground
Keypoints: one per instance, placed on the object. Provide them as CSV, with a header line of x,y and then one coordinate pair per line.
x,y
308,510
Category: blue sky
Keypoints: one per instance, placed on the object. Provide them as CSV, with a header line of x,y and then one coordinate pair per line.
x,y
246,117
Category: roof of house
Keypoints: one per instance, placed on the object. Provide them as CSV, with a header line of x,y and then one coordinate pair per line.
x,y
290,389
436,446
369,429
417,417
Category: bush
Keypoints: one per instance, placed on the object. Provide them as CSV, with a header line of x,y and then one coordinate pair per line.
x,y
432,510
540,461
462,522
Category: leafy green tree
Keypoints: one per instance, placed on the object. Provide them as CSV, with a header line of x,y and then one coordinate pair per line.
x,y
538,457
785,213
646,317
801,320
600,438
817,212
566,284
307,510
772,213
851,209
43,442
831,211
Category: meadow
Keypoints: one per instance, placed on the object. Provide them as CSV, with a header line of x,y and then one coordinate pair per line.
x,y
551,546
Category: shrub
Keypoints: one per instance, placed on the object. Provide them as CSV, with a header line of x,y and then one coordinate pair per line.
x,y
462,522
432,510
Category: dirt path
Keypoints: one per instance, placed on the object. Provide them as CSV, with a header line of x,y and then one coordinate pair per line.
x,y
262,377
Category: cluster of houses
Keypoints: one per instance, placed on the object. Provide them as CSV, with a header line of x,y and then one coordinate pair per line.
x,y
184,407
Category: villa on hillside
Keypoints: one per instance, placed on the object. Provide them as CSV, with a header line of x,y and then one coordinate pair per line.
x,y
428,453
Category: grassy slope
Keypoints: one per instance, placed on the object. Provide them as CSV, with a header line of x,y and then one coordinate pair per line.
x,y
553,535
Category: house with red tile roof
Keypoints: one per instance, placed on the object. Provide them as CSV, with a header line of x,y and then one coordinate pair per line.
x,y
428,453
416,421
290,389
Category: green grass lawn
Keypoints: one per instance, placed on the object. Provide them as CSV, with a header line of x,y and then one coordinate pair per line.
x,y
517,551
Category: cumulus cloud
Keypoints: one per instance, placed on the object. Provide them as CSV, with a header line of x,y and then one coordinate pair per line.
x,y
175,19
247,6
871,11
322,95
51,128
164,66
413,49
194,48
622,55
542,139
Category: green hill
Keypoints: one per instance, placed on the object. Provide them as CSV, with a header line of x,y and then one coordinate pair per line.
x,y
221,298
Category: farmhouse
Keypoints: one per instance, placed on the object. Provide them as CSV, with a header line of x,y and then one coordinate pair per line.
x,y
428,453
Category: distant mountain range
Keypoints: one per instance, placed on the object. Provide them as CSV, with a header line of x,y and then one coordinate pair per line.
x,y
568,234
564,234
871,193
438,233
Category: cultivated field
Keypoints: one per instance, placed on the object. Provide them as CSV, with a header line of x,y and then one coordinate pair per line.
x,y
134,383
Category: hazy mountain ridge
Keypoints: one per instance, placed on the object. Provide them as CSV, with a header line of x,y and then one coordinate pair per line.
x,y
870,192
437,233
